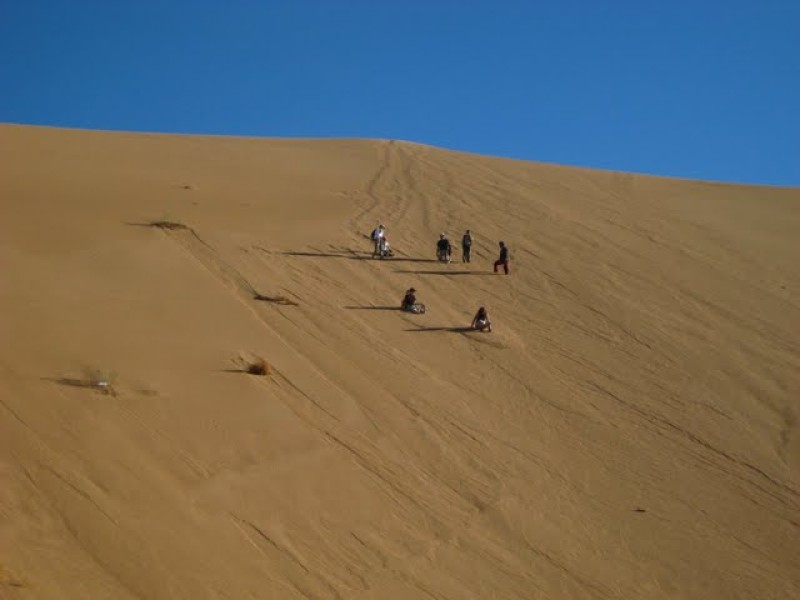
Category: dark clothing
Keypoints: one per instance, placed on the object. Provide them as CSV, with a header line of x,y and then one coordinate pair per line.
x,y
481,320
443,249
466,247
408,300
503,260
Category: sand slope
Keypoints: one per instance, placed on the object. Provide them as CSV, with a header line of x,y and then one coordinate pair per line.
x,y
630,430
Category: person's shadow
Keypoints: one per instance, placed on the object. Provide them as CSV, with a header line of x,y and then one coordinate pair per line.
x,y
372,307
350,255
356,255
447,329
445,273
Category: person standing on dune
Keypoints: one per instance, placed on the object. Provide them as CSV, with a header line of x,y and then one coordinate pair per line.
x,y
443,249
466,246
378,235
503,260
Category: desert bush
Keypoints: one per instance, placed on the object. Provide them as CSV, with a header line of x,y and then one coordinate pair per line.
x,y
258,366
171,225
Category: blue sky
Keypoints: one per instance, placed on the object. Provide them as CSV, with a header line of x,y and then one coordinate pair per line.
x,y
704,89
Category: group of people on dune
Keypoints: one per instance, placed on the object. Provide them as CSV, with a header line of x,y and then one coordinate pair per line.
x,y
480,321
444,249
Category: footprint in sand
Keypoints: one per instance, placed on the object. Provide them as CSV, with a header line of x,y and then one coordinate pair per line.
x,y
6,579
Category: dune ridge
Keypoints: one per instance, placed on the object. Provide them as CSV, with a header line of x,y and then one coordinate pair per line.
x,y
628,430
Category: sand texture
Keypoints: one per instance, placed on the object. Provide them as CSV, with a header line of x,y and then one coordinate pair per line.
x,y
628,430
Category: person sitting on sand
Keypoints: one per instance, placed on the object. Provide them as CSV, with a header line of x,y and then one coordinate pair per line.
x,y
385,251
443,248
481,320
409,303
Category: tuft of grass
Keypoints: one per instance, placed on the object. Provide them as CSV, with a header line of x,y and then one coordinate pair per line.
x,y
258,366
94,379
251,364
275,299
170,225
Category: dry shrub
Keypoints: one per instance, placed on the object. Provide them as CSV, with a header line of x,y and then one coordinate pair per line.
x,y
171,225
258,366
275,299
99,380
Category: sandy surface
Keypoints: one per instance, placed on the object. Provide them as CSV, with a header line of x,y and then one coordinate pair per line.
x,y
629,430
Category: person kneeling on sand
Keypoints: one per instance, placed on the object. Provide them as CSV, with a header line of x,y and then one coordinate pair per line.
x,y
409,303
481,320
385,251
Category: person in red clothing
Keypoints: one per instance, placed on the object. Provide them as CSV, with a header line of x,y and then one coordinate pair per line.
x,y
503,260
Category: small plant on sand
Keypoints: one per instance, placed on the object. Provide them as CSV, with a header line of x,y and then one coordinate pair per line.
x,y
96,379
100,377
258,366
251,364
170,225
275,299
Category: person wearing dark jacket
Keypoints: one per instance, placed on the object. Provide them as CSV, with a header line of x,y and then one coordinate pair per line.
x,y
503,260
466,246
443,249
409,303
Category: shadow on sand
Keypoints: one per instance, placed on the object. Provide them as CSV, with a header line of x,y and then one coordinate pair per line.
x,y
245,371
102,387
353,255
444,272
170,225
274,299
447,329
348,255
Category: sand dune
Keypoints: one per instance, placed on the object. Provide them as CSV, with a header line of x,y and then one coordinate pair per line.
x,y
629,430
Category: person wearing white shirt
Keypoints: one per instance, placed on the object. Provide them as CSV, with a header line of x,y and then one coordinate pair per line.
x,y
378,235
